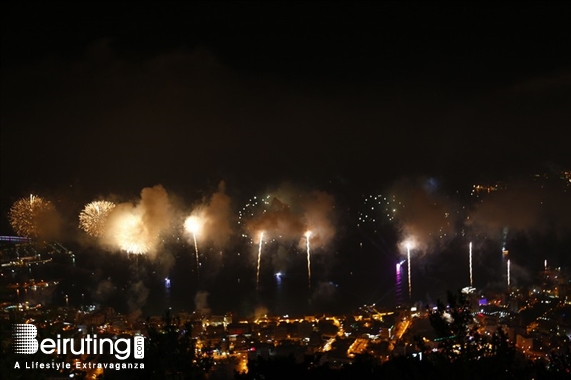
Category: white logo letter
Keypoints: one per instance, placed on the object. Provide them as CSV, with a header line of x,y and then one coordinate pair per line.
x,y
25,341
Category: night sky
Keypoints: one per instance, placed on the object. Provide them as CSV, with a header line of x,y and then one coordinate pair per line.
x,y
108,98
122,96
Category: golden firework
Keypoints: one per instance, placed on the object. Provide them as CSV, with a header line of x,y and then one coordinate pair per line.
x,y
28,214
131,234
93,218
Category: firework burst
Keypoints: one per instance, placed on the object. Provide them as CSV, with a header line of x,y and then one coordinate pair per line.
x,y
27,214
131,235
259,259
307,236
93,218
193,225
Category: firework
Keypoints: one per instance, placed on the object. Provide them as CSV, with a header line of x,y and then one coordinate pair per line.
x,y
130,235
398,286
509,274
470,264
93,218
307,236
249,209
259,259
27,214
379,208
408,263
192,224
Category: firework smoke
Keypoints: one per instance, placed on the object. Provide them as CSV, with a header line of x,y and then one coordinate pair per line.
x,y
201,303
425,213
137,294
213,218
288,215
137,228
260,312
285,218
523,206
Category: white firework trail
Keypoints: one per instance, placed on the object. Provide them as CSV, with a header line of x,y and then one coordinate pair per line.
x,y
192,225
408,263
509,279
471,264
259,259
307,236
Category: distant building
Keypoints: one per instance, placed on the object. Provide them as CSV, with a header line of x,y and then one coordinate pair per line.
x,y
239,328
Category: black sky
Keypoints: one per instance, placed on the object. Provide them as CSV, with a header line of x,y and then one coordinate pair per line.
x,y
112,97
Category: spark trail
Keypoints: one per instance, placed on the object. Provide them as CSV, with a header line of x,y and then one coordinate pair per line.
x,y
470,264
259,259
509,279
191,225
307,236
196,252
408,263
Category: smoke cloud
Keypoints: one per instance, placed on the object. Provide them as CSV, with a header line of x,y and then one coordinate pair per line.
x,y
136,298
524,206
105,289
213,219
137,228
201,303
428,217
260,312
291,213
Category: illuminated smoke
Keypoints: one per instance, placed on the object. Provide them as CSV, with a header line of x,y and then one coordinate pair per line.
x,y
428,213
201,303
130,233
277,221
523,206
209,223
213,218
137,228
324,291
318,213
287,215
137,295
260,312
285,218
